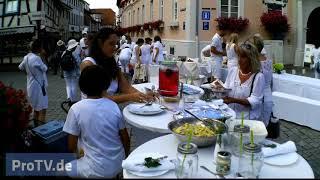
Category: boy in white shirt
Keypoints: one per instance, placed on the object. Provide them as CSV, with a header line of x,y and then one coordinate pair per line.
x,y
97,126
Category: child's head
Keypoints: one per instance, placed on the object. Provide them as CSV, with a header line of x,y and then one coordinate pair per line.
x,y
94,80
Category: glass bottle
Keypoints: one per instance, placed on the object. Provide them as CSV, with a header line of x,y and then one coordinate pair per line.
x,y
168,78
239,136
186,165
251,161
223,165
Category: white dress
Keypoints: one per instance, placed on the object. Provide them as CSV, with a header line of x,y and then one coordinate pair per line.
x,y
266,69
160,57
242,91
134,55
146,54
36,77
232,56
217,59
114,85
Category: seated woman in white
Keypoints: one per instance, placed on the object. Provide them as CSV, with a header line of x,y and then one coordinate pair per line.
x,y
247,83
97,125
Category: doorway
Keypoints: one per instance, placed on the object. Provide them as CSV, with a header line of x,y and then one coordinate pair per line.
x,y
313,27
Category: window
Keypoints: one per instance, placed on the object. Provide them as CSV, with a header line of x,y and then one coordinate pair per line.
x,y
138,16
12,6
161,9
175,10
133,18
229,8
143,13
172,50
129,19
151,10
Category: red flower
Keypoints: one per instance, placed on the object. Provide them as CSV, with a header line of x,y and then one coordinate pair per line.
x,y
275,22
1,85
12,101
10,92
233,24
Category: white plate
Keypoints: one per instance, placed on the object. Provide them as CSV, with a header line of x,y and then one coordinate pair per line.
x,y
148,174
282,160
146,110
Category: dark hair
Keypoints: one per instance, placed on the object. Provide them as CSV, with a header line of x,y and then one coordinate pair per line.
x,y
157,38
94,80
35,46
147,40
140,41
316,45
109,64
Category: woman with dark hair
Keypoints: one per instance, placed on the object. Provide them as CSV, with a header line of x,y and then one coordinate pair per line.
x,y
102,51
37,82
157,50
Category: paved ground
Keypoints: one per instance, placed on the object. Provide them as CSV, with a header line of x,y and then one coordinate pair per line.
x,y
306,139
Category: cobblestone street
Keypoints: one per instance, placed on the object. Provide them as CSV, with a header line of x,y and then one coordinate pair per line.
x,y
306,139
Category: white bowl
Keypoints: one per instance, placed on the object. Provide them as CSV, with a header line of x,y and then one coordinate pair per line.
x,y
259,130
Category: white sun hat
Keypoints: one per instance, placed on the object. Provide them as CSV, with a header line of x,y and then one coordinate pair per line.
x,y
72,44
60,43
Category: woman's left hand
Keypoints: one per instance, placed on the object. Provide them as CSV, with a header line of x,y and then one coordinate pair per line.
x,y
228,100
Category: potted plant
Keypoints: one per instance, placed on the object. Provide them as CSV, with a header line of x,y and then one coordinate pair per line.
x,y
15,115
146,26
233,24
276,24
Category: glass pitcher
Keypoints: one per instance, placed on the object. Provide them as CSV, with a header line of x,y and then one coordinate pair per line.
x,y
168,79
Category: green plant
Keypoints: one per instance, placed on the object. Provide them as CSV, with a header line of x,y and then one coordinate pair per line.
x,y
278,67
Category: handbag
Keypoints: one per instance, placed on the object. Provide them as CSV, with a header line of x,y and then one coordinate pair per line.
x,y
273,128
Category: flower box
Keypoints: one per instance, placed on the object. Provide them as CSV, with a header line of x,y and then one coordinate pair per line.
x,y
233,24
275,23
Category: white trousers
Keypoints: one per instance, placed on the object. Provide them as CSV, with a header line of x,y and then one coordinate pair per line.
x,y
72,88
216,68
124,64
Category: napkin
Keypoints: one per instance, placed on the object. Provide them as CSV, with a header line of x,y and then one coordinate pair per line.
x,y
284,148
218,102
138,108
131,165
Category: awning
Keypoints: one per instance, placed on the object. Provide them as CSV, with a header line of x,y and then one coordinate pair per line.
x,y
17,30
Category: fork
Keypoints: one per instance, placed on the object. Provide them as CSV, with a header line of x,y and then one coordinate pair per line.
x,y
149,103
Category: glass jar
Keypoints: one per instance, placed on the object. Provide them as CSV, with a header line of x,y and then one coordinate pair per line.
x,y
168,78
223,162
186,165
238,137
251,161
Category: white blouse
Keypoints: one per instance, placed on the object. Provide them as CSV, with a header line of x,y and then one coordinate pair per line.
x,y
242,91
114,85
232,56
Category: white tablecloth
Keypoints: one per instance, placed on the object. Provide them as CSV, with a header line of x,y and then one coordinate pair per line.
x,y
167,145
296,109
297,85
156,123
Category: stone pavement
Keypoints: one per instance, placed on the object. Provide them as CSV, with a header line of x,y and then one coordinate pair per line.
x,y
306,139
